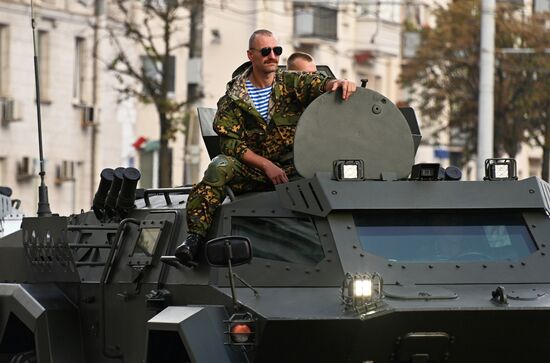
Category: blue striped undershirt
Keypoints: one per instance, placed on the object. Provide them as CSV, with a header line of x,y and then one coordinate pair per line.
x,y
260,98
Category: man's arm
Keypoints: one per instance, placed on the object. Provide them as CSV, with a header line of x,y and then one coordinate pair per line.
x,y
231,131
309,86
272,171
229,128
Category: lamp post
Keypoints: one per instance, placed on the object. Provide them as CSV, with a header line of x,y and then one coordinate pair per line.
x,y
486,85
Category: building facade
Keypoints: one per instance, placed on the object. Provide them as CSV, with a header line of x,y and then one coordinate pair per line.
x,y
83,128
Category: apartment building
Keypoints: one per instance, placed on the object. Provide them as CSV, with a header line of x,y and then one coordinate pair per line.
x,y
83,127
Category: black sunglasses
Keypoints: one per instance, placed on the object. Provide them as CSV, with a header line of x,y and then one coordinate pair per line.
x,y
265,51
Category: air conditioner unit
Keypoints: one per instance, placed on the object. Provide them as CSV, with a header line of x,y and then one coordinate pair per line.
x,y
25,168
86,116
9,111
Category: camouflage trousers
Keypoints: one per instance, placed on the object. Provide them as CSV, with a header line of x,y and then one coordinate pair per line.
x,y
206,196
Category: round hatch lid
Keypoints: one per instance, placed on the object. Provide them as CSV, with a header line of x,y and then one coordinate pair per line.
x,y
368,127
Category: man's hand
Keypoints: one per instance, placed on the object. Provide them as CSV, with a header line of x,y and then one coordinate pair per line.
x,y
274,173
348,88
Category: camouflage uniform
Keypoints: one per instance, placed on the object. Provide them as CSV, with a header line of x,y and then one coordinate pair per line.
x,y
241,128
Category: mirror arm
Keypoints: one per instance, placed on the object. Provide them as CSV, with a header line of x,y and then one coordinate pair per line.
x,y
231,275
246,284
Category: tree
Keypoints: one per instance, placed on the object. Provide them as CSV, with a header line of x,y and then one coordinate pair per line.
x,y
444,75
153,27
537,115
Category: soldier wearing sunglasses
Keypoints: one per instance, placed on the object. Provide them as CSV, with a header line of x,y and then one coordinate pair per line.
x,y
256,121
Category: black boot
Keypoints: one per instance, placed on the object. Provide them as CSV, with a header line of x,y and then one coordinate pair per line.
x,y
186,253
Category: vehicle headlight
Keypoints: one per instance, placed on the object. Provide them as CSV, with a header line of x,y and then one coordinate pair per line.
x,y
348,169
501,169
362,288
361,292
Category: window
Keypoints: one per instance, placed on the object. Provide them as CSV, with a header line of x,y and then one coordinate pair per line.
x,y
411,42
388,10
65,171
149,164
44,64
26,168
4,60
315,21
153,70
147,241
445,236
79,70
292,240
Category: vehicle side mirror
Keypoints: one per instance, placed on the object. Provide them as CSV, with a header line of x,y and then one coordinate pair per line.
x,y
220,250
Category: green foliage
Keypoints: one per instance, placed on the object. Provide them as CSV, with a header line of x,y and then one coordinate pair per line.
x,y
444,76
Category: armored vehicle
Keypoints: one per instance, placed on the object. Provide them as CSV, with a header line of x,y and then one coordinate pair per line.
x,y
367,258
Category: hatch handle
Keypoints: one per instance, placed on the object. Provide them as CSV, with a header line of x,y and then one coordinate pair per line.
x,y
499,295
166,192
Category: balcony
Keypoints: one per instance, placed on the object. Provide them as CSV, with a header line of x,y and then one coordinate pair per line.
x,y
315,22
378,36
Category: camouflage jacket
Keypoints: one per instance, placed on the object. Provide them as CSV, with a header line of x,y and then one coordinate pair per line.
x,y
241,127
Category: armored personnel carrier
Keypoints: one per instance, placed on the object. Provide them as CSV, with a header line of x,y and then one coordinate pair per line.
x,y
368,258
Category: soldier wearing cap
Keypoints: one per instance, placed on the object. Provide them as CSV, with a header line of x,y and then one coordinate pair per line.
x,y
301,62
